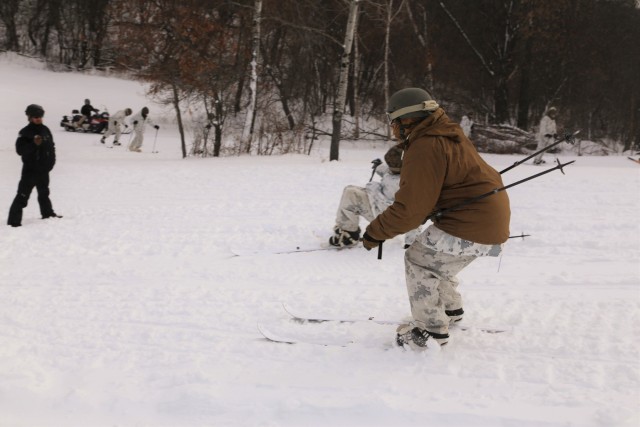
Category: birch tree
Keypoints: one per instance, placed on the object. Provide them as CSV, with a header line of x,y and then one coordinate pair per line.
x,y
339,103
390,15
247,132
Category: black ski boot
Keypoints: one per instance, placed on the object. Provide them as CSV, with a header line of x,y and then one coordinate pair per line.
x,y
343,238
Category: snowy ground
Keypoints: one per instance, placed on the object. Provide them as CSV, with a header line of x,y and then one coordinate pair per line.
x,y
132,311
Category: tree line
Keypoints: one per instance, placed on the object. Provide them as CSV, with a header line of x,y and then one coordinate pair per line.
x,y
267,73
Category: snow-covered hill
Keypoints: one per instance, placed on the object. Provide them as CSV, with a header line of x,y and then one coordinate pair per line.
x,y
132,310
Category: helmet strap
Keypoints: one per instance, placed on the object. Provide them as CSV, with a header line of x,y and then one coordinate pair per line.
x,y
404,136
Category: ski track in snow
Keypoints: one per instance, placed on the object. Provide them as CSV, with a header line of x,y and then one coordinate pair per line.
x,y
132,310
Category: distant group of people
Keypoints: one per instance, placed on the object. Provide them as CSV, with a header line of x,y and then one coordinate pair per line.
x,y
116,122
36,147
139,122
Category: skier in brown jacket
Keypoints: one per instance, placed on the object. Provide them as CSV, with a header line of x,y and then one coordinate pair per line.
x,y
441,168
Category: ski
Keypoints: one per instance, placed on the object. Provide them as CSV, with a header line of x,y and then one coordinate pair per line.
x,y
307,318
634,160
299,317
290,337
238,252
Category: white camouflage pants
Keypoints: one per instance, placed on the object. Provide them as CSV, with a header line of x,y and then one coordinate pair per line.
x,y
543,142
138,137
431,265
114,128
355,203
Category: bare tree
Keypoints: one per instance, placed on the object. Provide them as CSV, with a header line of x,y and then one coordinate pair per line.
x,y
339,103
8,11
253,81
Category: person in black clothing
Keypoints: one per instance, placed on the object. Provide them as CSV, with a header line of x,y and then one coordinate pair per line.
x,y
38,151
86,111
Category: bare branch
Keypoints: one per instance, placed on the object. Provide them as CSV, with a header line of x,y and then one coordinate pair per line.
x,y
462,32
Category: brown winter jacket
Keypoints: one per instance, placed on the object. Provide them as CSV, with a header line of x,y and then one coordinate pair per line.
x,y
440,169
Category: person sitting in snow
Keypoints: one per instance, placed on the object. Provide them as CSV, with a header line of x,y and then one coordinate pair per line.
x,y
368,202
115,127
139,121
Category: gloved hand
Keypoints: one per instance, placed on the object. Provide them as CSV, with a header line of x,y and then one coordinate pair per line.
x,y
208,126
157,127
126,126
369,242
135,122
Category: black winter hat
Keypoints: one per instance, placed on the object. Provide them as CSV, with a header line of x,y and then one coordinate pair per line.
x,y
34,110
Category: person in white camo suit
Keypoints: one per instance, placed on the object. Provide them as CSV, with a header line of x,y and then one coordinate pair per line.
x,y
369,202
115,125
139,121
547,133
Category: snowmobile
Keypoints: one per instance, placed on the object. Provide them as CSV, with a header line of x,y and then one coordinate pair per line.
x,y
96,124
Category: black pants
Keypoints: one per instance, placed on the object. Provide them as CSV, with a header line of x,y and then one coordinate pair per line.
x,y
40,180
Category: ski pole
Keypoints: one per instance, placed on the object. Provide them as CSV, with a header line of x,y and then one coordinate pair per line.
x,y
154,142
436,215
568,137
521,235
376,163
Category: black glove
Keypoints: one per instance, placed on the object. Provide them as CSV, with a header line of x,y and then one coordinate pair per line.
x,y
376,163
126,126
555,136
135,122
369,242
208,126
157,127
547,135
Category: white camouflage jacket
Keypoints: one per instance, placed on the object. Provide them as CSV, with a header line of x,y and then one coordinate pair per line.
x,y
139,127
382,194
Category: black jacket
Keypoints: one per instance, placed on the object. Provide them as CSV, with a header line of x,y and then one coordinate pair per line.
x,y
36,158
87,109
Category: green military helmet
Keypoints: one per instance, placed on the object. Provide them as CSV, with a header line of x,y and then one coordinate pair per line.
x,y
410,102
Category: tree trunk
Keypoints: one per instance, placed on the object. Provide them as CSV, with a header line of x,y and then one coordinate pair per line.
x,y
501,100
356,96
524,97
247,133
176,106
338,109
8,11
387,35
